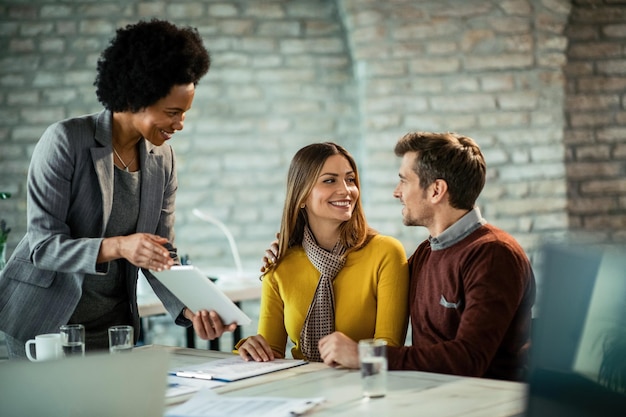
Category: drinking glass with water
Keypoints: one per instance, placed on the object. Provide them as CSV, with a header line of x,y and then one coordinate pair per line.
x,y
373,362
121,339
73,339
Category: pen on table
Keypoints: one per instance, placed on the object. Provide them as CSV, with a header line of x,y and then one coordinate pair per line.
x,y
195,375
303,408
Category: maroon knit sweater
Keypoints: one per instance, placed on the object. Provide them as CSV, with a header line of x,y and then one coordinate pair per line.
x,y
487,286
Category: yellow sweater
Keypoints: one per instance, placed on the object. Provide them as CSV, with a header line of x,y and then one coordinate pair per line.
x,y
370,296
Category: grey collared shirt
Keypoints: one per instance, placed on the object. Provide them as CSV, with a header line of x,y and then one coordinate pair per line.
x,y
458,231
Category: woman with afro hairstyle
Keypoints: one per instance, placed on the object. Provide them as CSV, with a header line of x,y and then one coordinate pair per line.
x,y
100,198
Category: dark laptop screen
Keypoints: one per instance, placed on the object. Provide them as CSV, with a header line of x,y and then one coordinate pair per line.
x,y
578,358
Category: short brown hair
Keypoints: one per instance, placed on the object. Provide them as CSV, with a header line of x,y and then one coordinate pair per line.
x,y
455,158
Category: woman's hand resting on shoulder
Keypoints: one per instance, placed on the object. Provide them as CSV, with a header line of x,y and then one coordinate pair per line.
x,y
271,255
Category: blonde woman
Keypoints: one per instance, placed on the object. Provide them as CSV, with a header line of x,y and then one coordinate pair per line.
x,y
334,274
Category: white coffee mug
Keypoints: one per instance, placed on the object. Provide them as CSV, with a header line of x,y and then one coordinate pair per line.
x,y
47,346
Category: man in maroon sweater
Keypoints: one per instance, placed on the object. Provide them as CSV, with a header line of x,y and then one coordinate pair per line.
x,y
472,285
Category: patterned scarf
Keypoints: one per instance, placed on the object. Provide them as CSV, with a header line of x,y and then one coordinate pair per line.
x,y
320,319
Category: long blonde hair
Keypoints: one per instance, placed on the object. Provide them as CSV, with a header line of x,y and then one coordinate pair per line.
x,y
304,170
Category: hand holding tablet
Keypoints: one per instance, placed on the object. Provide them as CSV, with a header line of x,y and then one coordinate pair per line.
x,y
198,292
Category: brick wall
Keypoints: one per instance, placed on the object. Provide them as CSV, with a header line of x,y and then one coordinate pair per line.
x,y
595,137
361,73
489,69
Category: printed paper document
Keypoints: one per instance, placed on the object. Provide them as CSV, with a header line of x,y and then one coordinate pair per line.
x,y
208,404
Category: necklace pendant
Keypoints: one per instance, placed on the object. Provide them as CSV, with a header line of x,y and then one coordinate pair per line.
x,y
122,161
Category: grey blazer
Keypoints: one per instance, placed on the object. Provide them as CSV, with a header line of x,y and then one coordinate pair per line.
x,y
69,200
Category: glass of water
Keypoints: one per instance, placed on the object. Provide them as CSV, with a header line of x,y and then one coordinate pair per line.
x,y
73,339
121,339
373,362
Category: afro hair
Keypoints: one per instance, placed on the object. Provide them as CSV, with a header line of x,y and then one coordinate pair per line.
x,y
145,60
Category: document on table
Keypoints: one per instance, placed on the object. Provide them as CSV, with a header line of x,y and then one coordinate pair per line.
x,y
181,389
235,368
208,404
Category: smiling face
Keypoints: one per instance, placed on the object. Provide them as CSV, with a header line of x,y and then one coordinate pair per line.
x,y
417,210
158,122
334,194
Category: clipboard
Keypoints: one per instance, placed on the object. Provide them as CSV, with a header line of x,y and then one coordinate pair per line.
x,y
198,292
235,368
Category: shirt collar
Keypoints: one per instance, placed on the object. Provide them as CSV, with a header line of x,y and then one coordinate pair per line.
x,y
458,231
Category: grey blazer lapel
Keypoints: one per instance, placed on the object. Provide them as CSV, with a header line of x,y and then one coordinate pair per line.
x,y
152,187
103,163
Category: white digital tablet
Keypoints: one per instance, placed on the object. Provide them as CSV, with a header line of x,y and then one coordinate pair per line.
x,y
198,292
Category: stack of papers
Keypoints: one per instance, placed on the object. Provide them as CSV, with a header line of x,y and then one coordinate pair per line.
x,y
178,392
208,404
